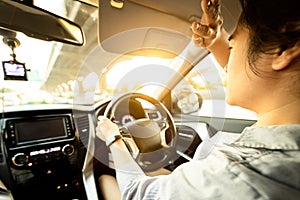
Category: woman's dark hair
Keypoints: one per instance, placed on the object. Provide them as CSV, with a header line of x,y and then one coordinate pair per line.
x,y
274,26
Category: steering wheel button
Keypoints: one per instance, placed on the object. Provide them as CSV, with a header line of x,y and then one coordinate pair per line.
x,y
162,125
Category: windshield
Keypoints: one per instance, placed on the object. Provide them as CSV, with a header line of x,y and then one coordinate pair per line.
x,y
61,73
52,67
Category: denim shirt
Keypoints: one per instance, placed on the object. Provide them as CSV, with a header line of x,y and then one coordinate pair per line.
x,y
260,163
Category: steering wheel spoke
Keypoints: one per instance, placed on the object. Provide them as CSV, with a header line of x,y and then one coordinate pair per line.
x,y
164,126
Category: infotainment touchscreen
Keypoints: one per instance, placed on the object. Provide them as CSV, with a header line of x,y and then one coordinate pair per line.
x,y
40,129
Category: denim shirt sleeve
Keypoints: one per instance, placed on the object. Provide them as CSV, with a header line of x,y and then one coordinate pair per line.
x,y
248,168
198,179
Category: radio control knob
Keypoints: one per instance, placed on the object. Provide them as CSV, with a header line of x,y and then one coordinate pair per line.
x,y
68,150
20,159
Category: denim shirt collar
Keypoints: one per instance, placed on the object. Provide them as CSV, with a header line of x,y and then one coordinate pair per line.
x,y
283,137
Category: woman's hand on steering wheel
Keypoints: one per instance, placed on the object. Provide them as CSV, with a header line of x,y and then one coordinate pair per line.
x,y
106,128
151,142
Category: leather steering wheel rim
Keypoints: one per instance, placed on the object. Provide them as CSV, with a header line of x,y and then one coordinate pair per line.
x,y
159,157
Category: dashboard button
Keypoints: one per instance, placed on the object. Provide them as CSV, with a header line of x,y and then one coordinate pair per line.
x,y
68,150
20,159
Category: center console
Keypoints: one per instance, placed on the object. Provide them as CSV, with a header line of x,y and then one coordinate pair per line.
x,y
42,154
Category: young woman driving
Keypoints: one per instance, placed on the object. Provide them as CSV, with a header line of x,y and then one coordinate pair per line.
x,y
262,60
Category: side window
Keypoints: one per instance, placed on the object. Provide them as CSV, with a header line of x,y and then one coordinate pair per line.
x,y
203,93
208,79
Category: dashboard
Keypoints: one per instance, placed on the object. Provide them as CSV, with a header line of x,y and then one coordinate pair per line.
x,y
43,151
47,151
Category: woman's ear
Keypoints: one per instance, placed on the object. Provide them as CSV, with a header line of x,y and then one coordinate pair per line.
x,y
281,61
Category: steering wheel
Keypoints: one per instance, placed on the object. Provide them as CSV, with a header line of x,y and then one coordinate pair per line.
x,y
149,133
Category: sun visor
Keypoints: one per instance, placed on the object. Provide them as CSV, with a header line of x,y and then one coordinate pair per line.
x,y
129,25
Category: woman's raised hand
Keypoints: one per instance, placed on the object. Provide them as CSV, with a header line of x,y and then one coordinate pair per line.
x,y
206,31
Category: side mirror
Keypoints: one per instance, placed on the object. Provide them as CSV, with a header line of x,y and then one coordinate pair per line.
x,y
187,102
38,23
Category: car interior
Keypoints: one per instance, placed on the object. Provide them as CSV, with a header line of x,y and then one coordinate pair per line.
x,y
67,62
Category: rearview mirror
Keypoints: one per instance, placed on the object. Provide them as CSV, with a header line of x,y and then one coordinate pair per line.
x,y
38,23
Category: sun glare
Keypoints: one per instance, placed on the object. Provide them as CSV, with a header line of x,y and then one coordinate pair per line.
x,y
119,70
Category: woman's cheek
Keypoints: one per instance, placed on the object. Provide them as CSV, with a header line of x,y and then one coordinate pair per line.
x,y
234,81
